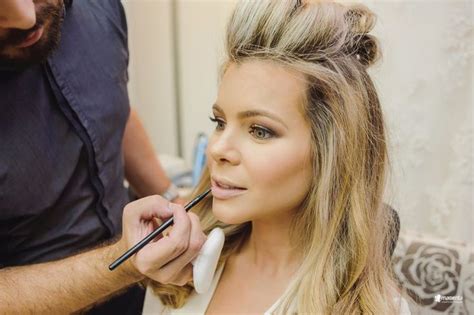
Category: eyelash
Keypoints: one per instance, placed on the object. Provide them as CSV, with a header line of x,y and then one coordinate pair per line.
x,y
217,121
254,128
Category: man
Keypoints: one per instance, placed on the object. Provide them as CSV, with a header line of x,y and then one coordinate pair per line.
x,y
67,140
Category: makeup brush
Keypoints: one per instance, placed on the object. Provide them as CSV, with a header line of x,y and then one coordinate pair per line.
x,y
154,234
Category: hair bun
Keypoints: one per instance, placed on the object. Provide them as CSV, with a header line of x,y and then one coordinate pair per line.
x,y
363,46
360,19
367,49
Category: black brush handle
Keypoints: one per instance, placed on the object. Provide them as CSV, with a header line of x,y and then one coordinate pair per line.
x,y
129,253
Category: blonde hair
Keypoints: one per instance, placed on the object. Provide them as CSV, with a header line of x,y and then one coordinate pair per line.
x,y
342,225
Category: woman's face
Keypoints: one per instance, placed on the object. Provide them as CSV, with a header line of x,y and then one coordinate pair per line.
x,y
259,153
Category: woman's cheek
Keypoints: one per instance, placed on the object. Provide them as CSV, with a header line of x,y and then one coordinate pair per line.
x,y
283,176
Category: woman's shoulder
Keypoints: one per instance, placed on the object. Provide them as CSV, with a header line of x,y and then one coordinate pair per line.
x,y
152,304
402,305
195,303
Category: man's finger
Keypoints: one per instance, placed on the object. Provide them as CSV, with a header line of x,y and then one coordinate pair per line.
x,y
174,244
181,224
148,208
196,241
184,276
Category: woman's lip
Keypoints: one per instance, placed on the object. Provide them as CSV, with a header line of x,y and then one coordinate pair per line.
x,y
223,193
32,39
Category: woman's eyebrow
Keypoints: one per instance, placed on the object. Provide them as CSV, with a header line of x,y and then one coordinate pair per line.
x,y
253,113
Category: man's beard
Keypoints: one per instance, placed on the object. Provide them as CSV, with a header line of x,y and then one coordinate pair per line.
x,y
11,58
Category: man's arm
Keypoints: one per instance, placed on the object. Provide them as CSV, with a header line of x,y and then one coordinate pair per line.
x,y
66,285
142,167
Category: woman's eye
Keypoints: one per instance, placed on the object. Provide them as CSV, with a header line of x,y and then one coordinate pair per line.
x,y
219,122
261,133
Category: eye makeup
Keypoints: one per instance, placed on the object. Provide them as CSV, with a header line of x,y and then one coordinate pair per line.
x,y
218,121
251,113
256,130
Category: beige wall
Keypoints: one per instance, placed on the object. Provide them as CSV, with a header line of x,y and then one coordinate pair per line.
x,y
201,35
152,78
199,27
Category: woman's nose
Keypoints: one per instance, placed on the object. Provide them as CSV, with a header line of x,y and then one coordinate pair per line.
x,y
222,148
19,14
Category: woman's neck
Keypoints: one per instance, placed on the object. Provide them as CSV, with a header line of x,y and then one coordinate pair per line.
x,y
268,247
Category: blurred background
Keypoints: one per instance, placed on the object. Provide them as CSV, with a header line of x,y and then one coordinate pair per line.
x,y
424,82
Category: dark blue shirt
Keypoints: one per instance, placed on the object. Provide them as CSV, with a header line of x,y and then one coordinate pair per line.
x,y
61,129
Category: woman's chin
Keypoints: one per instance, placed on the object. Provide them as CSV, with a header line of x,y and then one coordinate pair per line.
x,y
228,215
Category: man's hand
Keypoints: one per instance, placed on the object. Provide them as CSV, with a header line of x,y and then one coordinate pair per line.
x,y
71,284
166,259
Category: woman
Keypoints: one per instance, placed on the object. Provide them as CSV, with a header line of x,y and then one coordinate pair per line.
x,y
297,165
